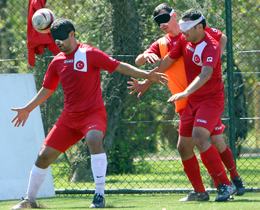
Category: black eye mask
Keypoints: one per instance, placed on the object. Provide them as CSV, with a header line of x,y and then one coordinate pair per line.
x,y
163,18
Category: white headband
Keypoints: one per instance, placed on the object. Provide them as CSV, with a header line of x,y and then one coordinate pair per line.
x,y
187,25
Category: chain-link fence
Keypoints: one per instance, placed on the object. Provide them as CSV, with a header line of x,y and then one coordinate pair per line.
x,y
142,133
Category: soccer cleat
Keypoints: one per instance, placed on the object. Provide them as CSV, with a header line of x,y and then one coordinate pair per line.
x,y
239,185
25,204
225,192
98,201
196,196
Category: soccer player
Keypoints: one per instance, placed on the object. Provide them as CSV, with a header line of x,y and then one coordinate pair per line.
x,y
77,68
166,18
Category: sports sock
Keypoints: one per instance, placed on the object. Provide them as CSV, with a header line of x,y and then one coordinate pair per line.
x,y
192,169
227,159
37,176
99,168
214,178
214,163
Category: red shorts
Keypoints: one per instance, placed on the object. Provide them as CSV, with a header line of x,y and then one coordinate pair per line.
x,y
206,115
70,128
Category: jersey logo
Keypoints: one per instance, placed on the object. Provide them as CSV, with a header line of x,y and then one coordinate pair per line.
x,y
190,48
218,128
80,65
196,59
198,53
68,61
202,121
209,59
80,60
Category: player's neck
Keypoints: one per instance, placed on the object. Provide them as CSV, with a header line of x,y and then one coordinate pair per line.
x,y
175,31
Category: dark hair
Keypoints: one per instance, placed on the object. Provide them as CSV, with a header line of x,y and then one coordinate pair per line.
x,y
160,7
194,14
62,23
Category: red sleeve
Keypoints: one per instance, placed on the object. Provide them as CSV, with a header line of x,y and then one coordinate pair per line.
x,y
101,60
51,79
211,55
176,50
154,48
215,33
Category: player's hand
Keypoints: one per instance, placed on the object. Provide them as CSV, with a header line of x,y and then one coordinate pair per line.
x,y
155,76
178,96
151,57
21,116
138,86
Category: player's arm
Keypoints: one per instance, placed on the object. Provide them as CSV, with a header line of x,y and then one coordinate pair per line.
x,y
23,112
197,83
222,43
153,75
146,57
166,63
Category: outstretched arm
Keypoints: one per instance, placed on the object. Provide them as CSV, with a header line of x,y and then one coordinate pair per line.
x,y
153,75
166,63
23,112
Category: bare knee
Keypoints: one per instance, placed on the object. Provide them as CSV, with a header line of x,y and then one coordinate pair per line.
x,y
46,156
185,148
94,139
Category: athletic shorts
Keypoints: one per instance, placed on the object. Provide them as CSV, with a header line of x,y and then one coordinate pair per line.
x,y
71,128
206,115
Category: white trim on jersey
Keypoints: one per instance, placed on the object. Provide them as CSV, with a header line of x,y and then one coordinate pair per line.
x,y
196,58
80,60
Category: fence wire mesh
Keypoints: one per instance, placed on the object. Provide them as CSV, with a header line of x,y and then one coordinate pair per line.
x,y
142,133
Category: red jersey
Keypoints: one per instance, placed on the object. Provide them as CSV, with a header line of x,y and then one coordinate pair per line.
x,y
79,75
204,53
171,41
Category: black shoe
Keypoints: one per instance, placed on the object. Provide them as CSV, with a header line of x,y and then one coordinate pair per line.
x,y
98,201
225,192
196,196
239,185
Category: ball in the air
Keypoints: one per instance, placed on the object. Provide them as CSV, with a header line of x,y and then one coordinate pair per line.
x,y
42,20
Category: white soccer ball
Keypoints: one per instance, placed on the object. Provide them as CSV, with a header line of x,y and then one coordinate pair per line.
x,y
42,20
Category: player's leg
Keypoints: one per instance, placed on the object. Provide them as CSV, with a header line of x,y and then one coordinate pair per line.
x,y
94,139
190,163
59,139
207,117
95,131
191,168
38,174
228,160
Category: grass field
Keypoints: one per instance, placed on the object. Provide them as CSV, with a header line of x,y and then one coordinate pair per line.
x,y
249,201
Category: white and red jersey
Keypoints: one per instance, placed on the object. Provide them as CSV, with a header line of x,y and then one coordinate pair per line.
x,y
79,75
204,53
171,41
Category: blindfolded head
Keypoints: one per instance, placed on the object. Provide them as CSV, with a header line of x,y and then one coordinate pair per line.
x,y
163,18
61,28
187,25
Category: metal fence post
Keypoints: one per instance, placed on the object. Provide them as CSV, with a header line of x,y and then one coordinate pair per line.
x,y
231,106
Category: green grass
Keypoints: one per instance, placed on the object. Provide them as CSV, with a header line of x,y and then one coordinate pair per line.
x,y
146,202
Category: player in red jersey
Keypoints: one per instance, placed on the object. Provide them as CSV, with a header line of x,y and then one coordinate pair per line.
x,y
168,23
205,94
77,68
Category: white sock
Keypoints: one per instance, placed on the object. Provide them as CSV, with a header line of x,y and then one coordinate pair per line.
x,y
99,168
37,176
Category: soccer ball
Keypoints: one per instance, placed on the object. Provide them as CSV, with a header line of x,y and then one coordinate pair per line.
x,y
42,20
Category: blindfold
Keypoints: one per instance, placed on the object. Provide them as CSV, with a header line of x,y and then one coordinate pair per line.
x,y
163,18
187,25
60,34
